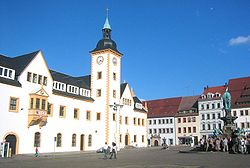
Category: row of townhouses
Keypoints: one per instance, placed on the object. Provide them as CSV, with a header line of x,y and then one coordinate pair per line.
x,y
184,120
57,112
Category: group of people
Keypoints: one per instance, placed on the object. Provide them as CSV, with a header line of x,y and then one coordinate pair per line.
x,y
225,144
112,151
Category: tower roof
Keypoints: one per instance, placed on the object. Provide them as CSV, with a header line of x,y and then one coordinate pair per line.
x,y
106,24
106,42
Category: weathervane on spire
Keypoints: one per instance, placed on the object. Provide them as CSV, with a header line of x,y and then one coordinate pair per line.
x,y
107,12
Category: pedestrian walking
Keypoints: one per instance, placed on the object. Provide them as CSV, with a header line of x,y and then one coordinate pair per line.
x,y
105,150
113,150
36,152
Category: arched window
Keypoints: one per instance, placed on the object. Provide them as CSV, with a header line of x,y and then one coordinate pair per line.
x,y
73,140
90,140
59,140
37,139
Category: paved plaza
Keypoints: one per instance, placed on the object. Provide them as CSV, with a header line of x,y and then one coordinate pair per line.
x,y
130,158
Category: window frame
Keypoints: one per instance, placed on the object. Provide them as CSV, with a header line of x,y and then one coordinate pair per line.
x,y
16,105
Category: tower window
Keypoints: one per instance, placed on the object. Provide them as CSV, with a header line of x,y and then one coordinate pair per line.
x,y
99,75
114,93
114,76
99,93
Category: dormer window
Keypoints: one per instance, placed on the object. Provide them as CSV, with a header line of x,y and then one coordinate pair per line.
x,y
7,73
59,86
138,105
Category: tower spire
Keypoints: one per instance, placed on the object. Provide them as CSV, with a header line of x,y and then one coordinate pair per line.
x,y
106,24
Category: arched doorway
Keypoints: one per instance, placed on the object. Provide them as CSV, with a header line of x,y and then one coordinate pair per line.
x,y
156,143
126,139
82,142
11,138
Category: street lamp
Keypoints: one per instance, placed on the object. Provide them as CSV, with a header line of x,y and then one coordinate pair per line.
x,y
116,108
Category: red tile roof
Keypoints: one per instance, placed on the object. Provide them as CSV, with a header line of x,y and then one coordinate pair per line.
x,y
239,89
216,89
188,103
163,107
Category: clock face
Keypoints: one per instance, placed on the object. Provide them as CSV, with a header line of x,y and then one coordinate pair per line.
x,y
114,61
100,60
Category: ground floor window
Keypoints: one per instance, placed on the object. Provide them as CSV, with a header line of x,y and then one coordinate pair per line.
x,y
37,139
59,140
73,140
90,140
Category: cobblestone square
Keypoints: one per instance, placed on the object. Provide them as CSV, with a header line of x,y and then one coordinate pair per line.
x,y
130,158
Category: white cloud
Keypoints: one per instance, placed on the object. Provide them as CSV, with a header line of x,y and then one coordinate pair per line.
x,y
239,40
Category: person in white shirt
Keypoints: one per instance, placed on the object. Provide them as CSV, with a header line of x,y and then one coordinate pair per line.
x,y
113,151
105,150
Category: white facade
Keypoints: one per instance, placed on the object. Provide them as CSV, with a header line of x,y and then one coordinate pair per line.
x,y
243,120
74,123
210,112
164,128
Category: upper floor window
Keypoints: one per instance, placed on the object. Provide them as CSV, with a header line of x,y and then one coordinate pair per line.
x,y
34,78
184,120
29,76
76,113
246,112
59,86
88,115
179,120
218,105
14,102
50,109
241,112
40,79
154,122
114,76
142,122
234,113
213,106
213,116
208,116
193,119
62,111
7,73
126,120
203,117
179,130
150,122
126,102
134,121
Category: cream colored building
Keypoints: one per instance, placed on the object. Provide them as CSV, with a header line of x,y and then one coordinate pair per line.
x,y
188,122
58,112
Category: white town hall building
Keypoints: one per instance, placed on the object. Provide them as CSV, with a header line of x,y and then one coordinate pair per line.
x,y
58,112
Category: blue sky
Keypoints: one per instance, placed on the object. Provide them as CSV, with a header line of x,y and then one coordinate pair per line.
x,y
171,48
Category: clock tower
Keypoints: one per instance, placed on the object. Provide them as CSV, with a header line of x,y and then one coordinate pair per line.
x,y
105,82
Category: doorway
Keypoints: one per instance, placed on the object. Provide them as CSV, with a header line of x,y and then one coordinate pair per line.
x,y
82,143
11,138
126,139
156,143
